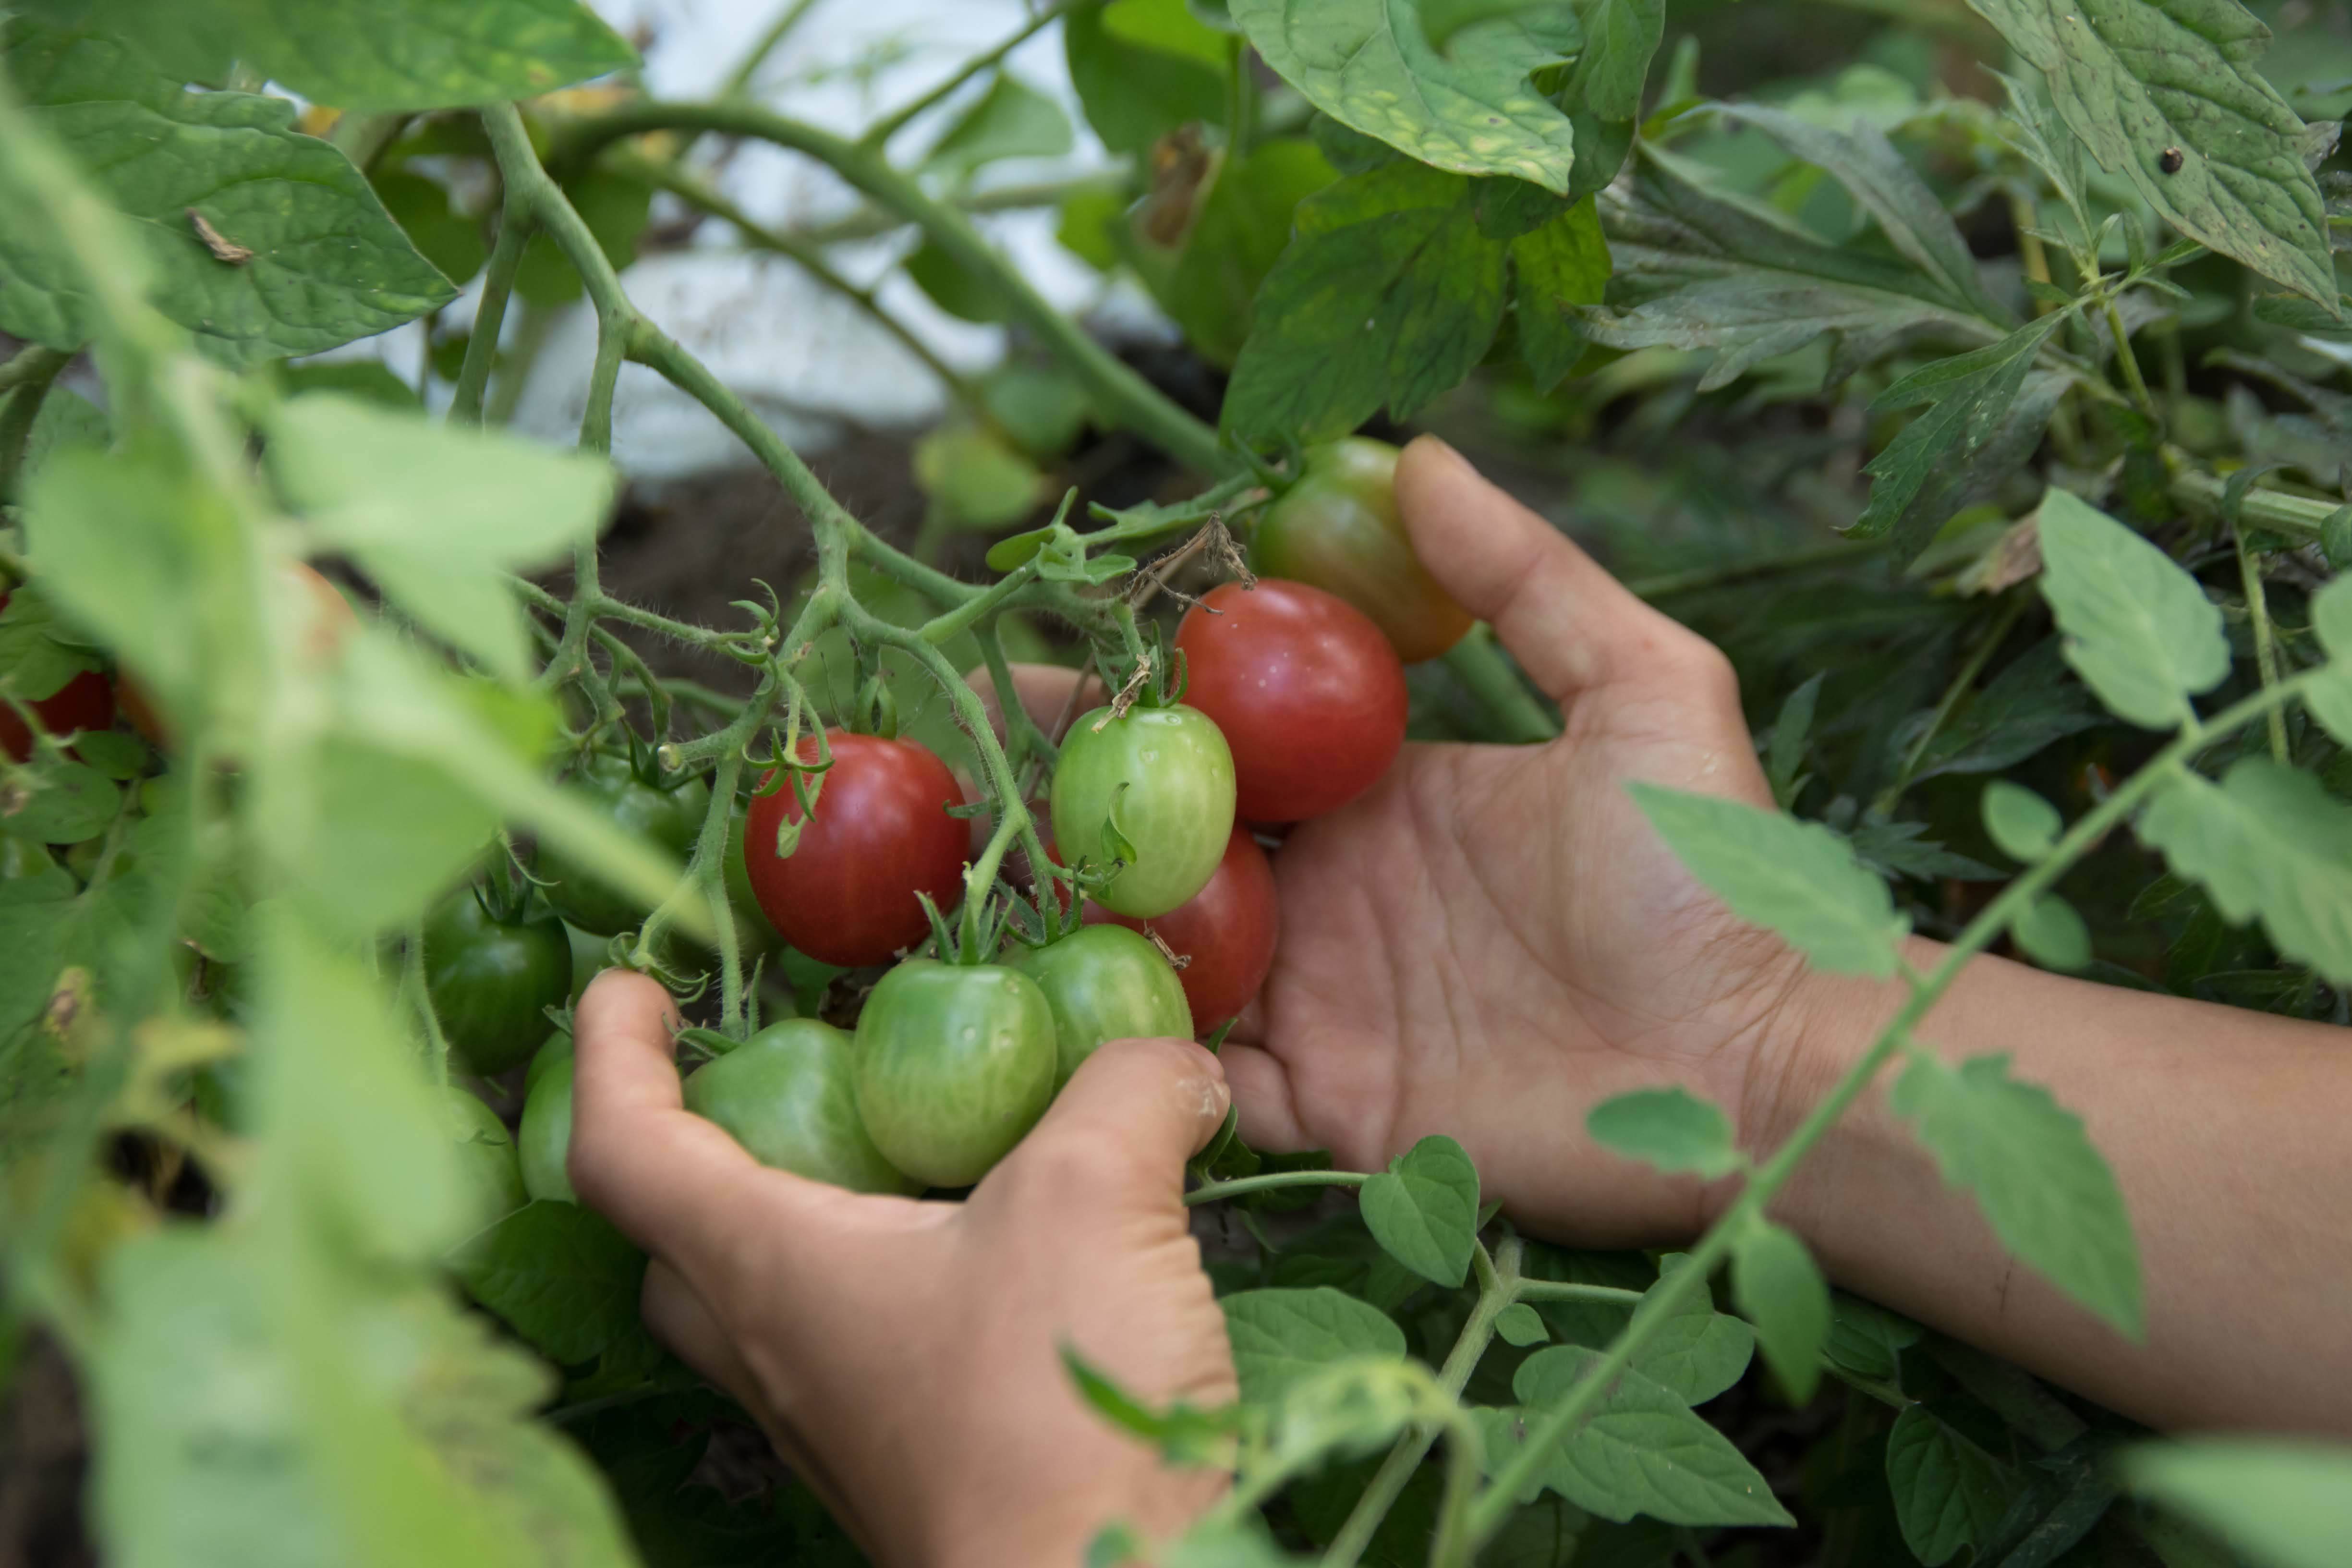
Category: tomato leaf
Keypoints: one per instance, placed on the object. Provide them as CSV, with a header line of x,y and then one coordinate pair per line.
x,y
560,1275
1282,1335
1424,1210
38,653
58,802
2052,934
1133,87
2046,1192
2025,826
327,265
1670,1129
1010,120
2270,841
1556,267
2329,695
1520,1324
1950,1494
2138,628
1779,1289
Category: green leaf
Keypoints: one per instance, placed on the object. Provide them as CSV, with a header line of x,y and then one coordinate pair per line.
x,y
57,802
1950,1494
2144,84
1670,1129
2021,823
369,381
2030,704
2048,1194
1134,91
2138,629
1620,37
66,420
1866,1338
1797,878
1697,1352
449,240
977,481
1779,1289
2285,1504
1044,409
1699,268
1184,1434
2052,934
1557,266
1520,1324
1786,754
560,1275
1369,65
1280,1336
2329,695
2269,841
1640,1450
393,54
1968,399
1424,1210
616,209
327,263
1010,120
436,513
119,756
1239,234
1388,294
38,653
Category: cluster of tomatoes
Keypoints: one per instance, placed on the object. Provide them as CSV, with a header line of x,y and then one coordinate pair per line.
x,y
1293,704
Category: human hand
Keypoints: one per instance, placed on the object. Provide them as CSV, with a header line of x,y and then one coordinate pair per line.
x,y
904,1356
1492,940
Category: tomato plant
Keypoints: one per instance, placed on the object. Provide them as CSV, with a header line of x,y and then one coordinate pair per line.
x,y
544,1137
880,835
1105,983
1304,688
953,1063
1224,934
489,1167
786,1095
1339,529
491,972
618,790
1152,790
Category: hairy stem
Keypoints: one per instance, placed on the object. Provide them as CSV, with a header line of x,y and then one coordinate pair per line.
x,y
2258,608
1217,1191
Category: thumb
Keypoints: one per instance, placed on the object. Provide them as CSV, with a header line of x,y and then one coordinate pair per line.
x,y
1570,625
1123,1128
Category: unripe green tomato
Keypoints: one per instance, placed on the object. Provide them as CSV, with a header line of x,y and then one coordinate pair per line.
x,y
544,1139
785,1095
1165,777
487,1167
1337,529
588,958
1105,982
669,817
490,983
557,1048
954,1065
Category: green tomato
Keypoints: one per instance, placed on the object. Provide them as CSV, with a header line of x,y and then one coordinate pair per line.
x,y
954,1064
544,1139
785,1095
557,1048
1105,982
669,817
490,982
588,958
1164,778
487,1165
1338,529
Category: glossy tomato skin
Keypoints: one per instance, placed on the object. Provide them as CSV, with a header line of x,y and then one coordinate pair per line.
x,y
786,1095
84,703
881,834
486,1165
1168,774
490,982
1105,983
1309,694
954,1065
556,1048
669,817
1225,932
543,1140
1337,528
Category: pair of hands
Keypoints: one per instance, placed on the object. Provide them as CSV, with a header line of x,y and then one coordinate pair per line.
x,y
1487,944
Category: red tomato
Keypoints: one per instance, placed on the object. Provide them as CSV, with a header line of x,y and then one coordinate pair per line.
x,y
85,703
881,834
1226,931
1308,693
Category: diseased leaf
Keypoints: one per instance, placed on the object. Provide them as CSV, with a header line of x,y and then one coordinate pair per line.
x,y
1970,397
1424,1210
1369,65
1778,1288
1388,294
2270,841
1670,1129
2138,628
2168,94
327,265
2285,1503
1281,1335
1798,879
2046,1190
560,1275
1556,267
1699,268
1950,1494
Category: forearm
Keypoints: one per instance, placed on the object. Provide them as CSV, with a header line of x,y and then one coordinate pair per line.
x,y
2229,1131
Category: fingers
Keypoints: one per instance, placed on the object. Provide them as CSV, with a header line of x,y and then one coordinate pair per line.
x,y
1123,1128
1570,623
674,1183
1262,1097
680,1319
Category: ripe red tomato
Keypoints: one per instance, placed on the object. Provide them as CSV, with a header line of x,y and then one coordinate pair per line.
x,y
1308,693
1226,931
85,703
1338,527
881,834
